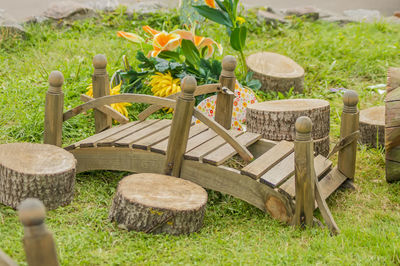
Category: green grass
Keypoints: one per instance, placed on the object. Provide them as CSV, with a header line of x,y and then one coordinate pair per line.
x,y
354,56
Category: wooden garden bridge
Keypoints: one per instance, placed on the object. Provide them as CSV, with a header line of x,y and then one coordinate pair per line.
x,y
198,152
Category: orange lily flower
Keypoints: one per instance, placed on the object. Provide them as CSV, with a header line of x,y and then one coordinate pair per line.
x,y
210,3
200,42
130,36
150,30
164,41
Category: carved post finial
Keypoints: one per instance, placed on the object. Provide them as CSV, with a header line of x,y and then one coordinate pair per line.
x,y
56,80
303,128
31,212
100,61
189,85
350,101
228,66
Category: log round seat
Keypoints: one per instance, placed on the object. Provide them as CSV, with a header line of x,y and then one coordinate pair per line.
x,y
40,171
372,126
276,72
155,203
275,120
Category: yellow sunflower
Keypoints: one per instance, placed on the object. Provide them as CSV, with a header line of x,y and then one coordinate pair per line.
x,y
119,107
163,85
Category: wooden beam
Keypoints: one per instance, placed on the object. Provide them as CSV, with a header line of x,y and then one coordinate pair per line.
x,y
230,181
5,260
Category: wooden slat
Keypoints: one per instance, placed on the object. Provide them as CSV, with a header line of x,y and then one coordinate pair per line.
x,y
209,146
161,147
221,131
393,79
110,140
279,173
393,96
90,141
269,159
5,260
225,152
200,139
144,132
392,170
321,164
147,142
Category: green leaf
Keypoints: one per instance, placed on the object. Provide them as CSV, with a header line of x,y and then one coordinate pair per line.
x,y
238,38
220,5
190,52
169,55
215,15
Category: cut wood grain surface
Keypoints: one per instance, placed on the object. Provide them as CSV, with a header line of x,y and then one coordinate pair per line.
x,y
155,203
38,171
372,126
275,120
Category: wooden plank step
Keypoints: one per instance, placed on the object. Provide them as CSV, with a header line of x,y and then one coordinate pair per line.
x,y
266,161
92,140
200,139
226,151
144,132
202,150
110,140
162,146
321,165
280,172
147,142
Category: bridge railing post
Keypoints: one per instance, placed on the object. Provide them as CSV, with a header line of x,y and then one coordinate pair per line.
x,y
349,125
101,87
304,173
224,105
53,111
180,127
38,242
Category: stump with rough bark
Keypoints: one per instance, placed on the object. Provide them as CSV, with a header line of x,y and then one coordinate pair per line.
x,y
276,72
372,126
275,120
38,171
155,203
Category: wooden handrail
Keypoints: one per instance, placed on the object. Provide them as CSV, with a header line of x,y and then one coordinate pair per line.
x,y
117,116
200,90
120,98
221,131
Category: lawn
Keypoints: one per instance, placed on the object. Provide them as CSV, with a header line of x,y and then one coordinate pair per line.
x,y
353,56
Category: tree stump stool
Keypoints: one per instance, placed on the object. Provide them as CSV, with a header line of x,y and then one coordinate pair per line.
x,y
275,120
154,203
38,171
372,126
276,72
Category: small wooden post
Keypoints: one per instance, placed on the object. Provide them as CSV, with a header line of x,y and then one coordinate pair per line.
x,y
101,87
349,125
224,105
38,242
181,122
53,111
304,172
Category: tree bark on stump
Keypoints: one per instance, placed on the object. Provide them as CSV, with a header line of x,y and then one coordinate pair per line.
x,y
275,120
276,72
155,203
38,171
372,126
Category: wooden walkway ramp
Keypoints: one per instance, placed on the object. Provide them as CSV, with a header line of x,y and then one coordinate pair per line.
x,y
202,152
